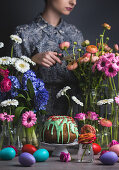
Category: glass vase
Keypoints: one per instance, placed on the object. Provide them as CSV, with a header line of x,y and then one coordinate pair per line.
x,y
6,135
85,153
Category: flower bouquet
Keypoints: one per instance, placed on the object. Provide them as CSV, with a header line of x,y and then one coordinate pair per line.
x,y
23,98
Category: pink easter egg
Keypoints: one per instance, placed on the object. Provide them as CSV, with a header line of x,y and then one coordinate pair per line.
x,y
115,148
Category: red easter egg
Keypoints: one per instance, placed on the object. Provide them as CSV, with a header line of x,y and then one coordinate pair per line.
x,y
96,148
29,148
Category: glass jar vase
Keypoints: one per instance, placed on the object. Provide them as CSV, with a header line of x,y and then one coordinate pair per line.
x,y
85,153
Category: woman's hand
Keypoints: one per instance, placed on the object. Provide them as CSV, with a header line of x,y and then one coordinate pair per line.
x,y
46,59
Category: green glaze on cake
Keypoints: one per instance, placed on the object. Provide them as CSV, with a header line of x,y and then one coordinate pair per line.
x,y
58,122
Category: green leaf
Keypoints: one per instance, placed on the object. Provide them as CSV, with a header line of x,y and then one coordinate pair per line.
x,y
30,89
21,96
19,111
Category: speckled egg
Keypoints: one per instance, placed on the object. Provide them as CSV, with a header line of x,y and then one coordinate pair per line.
x,y
41,155
109,158
7,153
26,159
115,148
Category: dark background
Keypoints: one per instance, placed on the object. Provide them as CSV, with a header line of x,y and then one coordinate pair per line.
x,y
88,16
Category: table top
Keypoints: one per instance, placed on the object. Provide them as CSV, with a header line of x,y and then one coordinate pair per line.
x,y
54,163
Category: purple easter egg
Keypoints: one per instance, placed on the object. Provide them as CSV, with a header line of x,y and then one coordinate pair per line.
x,y
109,158
26,159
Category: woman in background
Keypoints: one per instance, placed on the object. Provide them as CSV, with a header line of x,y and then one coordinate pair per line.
x,y
41,39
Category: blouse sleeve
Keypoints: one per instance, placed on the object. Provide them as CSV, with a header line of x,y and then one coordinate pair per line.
x,y
25,47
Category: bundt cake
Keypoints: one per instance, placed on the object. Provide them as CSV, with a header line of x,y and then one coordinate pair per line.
x,y
60,129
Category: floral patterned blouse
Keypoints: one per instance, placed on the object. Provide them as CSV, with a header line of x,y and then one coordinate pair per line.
x,y
39,36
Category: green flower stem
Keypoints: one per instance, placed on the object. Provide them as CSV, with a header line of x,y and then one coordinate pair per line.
x,y
74,51
12,51
66,51
10,133
114,86
106,110
102,43
83,154
111,134
70,109
2,137
111,83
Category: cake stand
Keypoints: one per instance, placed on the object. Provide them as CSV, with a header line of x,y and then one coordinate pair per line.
x,y
59,147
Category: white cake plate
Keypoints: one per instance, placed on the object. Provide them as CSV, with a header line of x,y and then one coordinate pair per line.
x,y
59,147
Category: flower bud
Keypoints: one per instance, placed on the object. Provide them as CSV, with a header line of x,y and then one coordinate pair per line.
x,y
106,26
75,43
85,43
116,47
64,45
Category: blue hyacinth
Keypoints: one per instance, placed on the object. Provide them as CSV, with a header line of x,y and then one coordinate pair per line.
x,y
15,85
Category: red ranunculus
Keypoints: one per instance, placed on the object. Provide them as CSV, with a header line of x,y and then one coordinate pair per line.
x,y
4,73
5,85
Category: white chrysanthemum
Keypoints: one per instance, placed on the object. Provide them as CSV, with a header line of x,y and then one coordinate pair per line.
x,y
13,60
62,91
105,101
77,101
22,66
5,60
28,60
9,102
1,44
16,38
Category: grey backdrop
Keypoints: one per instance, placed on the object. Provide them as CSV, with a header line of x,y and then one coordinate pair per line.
x,y
88,16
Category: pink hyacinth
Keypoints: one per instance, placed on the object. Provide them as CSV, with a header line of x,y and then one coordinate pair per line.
x,y
114,142
117,99
92,115
4,116
5,85
110,71
28,119
80,116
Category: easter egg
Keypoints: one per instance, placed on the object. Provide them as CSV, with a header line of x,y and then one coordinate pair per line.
x,y
29,148
26,159
41,155
11,146
96,148
7,153
109,158
115,148
104,151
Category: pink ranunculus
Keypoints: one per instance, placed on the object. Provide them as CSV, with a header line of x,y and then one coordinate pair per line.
x,y
4,73
65,157
117,99
94,59
92,115
28,119
64,45
114,142
105,122
80,116
5,85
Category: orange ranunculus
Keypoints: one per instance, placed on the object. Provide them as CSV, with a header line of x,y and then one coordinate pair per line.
x,y
64,45
86,138
72,65
105,122
107,26
88,129
91,49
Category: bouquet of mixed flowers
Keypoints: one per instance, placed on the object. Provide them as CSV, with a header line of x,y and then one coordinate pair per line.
x,y
23,97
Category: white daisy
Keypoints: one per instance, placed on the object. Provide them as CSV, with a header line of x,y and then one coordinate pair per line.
x,y
9,102
77,101
62,91
13,60
22,66
5,60
16,38
28,60
105,101
1,44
